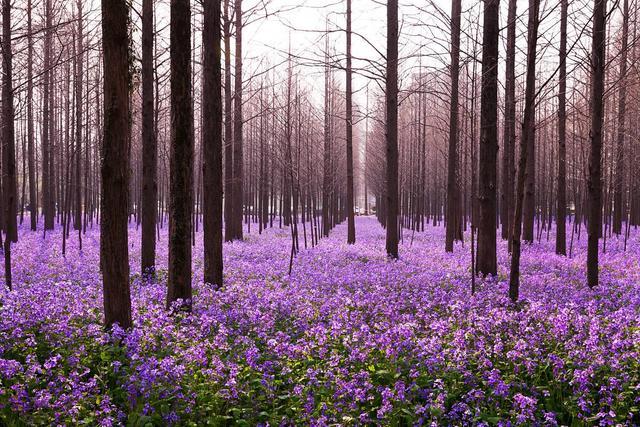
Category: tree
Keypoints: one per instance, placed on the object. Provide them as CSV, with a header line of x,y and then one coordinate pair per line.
x,y
114,250
509,140
238,156
528,132
228,126
48,202
326,158
618,208
212,143
487,260
79,62
392,129
561,232
33,201
351,225
454,223
8,142
149,145
594,184
181,156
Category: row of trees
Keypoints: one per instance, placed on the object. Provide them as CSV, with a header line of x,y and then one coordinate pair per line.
x,y
167,135
548,182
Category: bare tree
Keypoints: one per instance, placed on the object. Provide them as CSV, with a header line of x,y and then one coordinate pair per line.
x,y
594,183
238,155
487,259
212,143
351,225
114,248
181,157
8,142
618,208
454,222
33,198
561,232
509,140
149,145
392,129
528,132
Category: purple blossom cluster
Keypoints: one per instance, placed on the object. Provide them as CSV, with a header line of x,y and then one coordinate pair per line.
x,y
348,338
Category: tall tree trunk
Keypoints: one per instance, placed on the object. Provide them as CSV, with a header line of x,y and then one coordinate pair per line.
x,y
212,143
508,157
454,223
561,232
228,133
392,129
326,174
77,221
528,132
8,143
594,182
618,205
149,145
114,249
33,202
47,172
238,156
181,157
487,260
351,225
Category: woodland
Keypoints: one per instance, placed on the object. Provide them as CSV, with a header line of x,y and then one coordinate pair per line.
x,y
320,212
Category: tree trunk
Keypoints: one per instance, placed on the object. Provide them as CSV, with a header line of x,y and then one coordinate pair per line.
x,y
114,249
487,261
238,156
33,202
528,132
454,223
212,144
509,140
47,172
594,183
392,129
618,205
77,221
181,157
351,225
8,142
561,232
149,146
228,133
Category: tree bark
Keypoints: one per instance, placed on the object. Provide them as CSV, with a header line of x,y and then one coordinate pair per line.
x,y
8,142
228,132
509,140
618,205
149,146
561,232
33,202
528,132
351,225
454,223
181,157
392,129
238,156
47,172
594,182
114,249
77,221
212,143
487,260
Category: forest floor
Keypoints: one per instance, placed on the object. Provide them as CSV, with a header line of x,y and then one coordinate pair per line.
x,y
349,337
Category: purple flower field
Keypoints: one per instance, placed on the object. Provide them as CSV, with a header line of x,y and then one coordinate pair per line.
x,y
350,338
